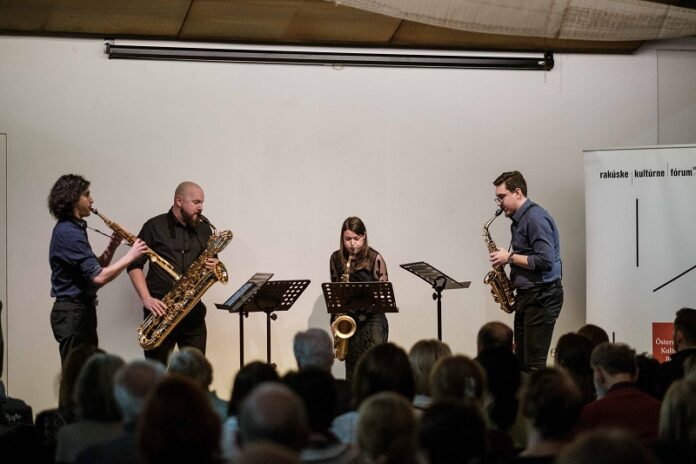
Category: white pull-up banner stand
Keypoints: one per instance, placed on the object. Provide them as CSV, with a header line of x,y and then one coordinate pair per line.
x,y
640,208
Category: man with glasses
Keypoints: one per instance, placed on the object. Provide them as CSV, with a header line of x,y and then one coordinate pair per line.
x,y
179,236
535,269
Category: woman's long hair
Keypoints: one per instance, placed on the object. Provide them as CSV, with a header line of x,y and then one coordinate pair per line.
x,y
356,225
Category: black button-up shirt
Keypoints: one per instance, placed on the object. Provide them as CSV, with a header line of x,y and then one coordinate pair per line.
x,y
177,243
73,263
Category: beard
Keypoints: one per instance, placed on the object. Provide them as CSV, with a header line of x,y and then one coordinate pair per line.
x,y
191,220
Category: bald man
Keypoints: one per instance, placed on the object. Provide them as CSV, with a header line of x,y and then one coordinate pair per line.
x,y
179,236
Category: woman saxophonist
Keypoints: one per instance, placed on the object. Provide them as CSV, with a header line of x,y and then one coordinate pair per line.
x,y
367,265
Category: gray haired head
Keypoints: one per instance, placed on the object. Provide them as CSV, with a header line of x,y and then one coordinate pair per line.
x,y
313,348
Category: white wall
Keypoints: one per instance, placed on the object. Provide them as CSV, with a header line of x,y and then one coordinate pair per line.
x,y
284,154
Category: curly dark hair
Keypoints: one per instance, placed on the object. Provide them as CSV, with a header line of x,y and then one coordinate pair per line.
x,y
65,193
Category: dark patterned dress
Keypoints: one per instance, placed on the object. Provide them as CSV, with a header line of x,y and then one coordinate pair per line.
x,y
372,329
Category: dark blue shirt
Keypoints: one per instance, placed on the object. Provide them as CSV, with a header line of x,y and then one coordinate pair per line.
x,y
73,263
535,235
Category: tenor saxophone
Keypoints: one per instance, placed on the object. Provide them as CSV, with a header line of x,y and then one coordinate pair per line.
x,y
129,238
343,326
501,289
187,291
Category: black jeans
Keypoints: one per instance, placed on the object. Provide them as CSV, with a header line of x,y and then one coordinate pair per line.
x,y
191,331
535,317
74,324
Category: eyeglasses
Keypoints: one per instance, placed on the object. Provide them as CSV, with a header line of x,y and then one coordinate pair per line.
x,y
499,198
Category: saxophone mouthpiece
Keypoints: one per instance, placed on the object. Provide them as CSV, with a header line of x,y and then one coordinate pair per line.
x,y
94,210
497,213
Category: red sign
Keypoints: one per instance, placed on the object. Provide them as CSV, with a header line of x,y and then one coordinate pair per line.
x,y
663,345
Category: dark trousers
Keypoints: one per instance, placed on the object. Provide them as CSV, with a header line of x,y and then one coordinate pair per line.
x,y
535,317
371,330
74,324
191,331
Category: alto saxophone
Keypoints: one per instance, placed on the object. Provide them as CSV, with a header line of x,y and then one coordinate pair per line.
x,y
129,238
187,291
501,289
343,326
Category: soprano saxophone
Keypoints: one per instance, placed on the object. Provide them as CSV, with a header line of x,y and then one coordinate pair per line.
x,y
343,326
501,289
187,291
129,238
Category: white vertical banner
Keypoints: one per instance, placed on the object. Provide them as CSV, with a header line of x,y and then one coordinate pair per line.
x,y
641,239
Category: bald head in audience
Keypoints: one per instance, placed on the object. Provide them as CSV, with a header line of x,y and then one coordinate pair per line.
x,y
272,412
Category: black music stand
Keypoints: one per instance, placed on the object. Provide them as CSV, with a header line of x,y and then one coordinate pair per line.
x,y
439,281
235,303
275,295
359,297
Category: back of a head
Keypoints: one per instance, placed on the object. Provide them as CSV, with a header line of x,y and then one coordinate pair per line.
x,y
190,362
178,424
551,402
248,377
685,323
317,389
614,358
272,412
71,370
457,377
313,348
384,367
423,356
132,385
492,334
452,432
678,414
573,353
266,453
503,378
594,333
387,429
606,447
94,390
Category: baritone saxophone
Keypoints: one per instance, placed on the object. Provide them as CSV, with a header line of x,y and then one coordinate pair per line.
x,y
343,326
501,289
187,291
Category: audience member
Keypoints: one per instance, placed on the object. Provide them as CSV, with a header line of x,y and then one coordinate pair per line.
x,y
595,333
132,385
50,421
614,446
248,377
272,412
684,338
99,417
265,452
572,354
551,403
677,442
452,432
178,425
619,404
387,430
314,348
690,367
192,363
494,334
504,378
384,367
318,393
423,356
648,378
458,377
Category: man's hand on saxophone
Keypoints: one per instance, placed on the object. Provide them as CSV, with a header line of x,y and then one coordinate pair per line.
x,y
499,257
